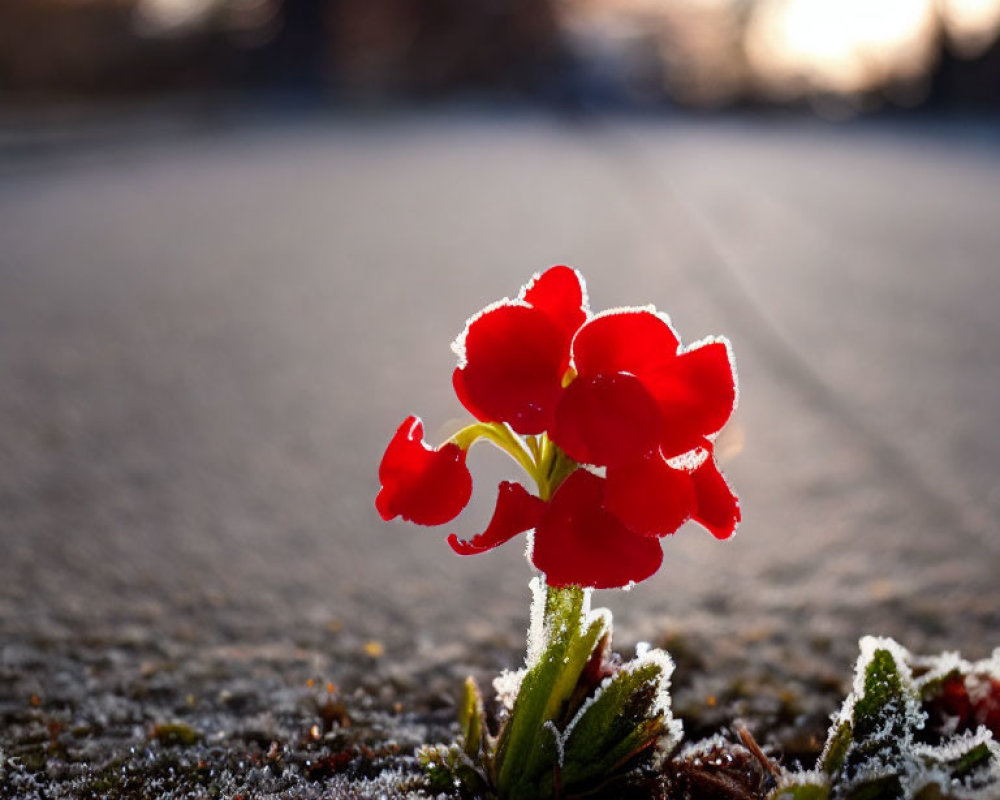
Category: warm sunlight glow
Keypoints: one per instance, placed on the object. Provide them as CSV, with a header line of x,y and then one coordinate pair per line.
x,y
180,17
160,16
840,45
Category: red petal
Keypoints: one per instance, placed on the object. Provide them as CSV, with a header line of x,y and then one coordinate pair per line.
x,y
458,383
579,543
606,419
624,341
560,293
649,496
718,508
696,393
516,511
515,357
419,483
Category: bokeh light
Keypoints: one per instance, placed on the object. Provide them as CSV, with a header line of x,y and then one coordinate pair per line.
x,y
972,25
843,46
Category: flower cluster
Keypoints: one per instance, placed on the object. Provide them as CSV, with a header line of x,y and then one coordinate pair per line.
x,y
608,413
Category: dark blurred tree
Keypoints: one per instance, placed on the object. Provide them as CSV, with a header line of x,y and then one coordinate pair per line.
x,y
434,46
58,48
296,55
966,83
363,47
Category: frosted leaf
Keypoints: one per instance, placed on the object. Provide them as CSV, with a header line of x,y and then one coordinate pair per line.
x,y
966,767
809,785
869,645
957,749
878,719
575,713
659,706
539,637
812,777
933,669
880,745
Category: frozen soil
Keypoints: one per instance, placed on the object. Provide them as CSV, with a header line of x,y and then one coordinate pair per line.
x,y
322,715
209,332
209,703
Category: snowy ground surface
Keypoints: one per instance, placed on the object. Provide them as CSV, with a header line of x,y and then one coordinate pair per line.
x,y
210,329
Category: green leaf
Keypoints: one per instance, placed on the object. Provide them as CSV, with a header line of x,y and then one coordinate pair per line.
x,y
962,758
802,791
959,767
835,752
868,741
883,701
884,716
471,718
973,759
565,609
615,726
884,787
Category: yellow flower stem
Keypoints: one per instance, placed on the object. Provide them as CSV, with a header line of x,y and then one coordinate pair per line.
x,y
547,453
545,463
503,437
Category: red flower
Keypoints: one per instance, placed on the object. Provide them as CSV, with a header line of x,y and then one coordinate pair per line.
x,y
577,540
631,361
639,404
580,536
513,354
419,483
616,391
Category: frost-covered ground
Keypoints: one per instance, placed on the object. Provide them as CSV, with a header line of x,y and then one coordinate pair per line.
x,y
209,331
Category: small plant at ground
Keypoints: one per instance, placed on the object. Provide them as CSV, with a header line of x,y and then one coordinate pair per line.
x,y
614,421
913,727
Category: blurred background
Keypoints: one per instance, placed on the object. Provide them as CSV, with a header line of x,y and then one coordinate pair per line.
x,y
835,57
238,236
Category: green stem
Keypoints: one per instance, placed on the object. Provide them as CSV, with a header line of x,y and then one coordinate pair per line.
x,y
526,745
554,466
